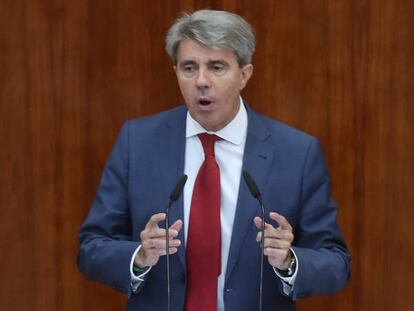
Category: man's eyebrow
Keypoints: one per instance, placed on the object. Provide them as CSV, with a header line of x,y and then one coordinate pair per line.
x,y
210,62
218,61
186,62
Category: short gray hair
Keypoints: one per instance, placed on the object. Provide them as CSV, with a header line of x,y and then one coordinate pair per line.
x,y
217,29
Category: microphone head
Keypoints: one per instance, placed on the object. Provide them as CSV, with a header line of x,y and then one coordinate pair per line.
x,y
254,190
178,188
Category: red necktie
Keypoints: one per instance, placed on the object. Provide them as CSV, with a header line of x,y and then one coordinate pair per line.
x,y
204,233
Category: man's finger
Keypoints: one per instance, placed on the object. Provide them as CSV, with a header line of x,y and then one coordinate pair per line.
x,y
283,223
279,234
177,225
275,243
258,223
162,252
275,252
154,220
160,243
276,235
152,233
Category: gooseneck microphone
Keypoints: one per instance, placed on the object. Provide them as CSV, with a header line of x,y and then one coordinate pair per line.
x,y
175,194
254,190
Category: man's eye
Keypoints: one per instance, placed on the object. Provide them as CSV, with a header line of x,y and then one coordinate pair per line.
x,y
218,68
188,68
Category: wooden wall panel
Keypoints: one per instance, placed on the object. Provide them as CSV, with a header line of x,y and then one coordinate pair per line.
x,y
74,71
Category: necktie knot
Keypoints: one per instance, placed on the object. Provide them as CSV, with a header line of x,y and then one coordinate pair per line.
x,y
208,141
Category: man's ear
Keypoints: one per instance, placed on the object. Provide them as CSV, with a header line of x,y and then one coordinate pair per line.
x,y
246,73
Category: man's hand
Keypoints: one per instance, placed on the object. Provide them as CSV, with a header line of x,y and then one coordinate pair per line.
x,y
153,241
277,241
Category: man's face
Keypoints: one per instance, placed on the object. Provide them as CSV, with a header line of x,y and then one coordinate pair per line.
x,y
210,80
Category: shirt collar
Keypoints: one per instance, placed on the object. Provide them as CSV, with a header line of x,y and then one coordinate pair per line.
x,y
234,132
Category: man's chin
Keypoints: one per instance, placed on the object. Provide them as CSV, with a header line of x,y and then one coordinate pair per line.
x,y
205,122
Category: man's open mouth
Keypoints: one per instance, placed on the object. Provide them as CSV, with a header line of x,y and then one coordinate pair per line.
x,y
204,102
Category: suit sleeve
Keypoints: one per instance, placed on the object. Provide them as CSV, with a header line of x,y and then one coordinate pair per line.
x,y
106,244
324,266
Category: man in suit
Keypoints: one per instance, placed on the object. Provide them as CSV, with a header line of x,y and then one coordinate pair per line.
x,y
215,239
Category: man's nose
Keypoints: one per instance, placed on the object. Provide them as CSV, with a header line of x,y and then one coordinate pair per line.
x,y
203,79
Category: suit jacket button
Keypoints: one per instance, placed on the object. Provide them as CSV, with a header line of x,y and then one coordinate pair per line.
x,y
181,277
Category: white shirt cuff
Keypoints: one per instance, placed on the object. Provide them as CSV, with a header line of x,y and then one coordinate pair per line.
x,y
136,280
288,282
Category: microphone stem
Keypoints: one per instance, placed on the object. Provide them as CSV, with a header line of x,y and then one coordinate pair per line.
x,y
261,257
173,197
167,250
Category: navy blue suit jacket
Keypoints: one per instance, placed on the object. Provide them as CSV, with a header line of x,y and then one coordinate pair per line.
x,y
147,161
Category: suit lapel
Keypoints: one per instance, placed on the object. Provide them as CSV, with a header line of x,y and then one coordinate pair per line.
x,y
257,160
172,152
